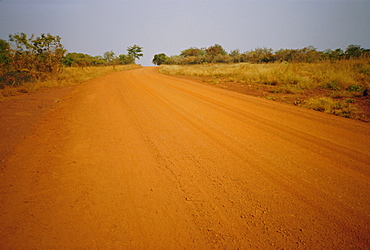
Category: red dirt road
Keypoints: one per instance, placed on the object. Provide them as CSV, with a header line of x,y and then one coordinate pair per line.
x,y
138,160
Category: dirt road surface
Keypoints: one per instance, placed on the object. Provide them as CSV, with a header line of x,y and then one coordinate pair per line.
x,y
138,160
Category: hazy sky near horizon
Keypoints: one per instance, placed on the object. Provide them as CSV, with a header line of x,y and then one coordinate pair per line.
x,y
170,26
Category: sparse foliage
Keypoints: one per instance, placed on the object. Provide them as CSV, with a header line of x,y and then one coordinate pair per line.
x,y
35,59
109,57
40,55
27,59
135,51
5,55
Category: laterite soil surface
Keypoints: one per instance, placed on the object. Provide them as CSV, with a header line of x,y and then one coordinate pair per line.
x,y
138,160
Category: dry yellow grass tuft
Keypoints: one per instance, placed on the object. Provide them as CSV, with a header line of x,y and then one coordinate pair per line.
x,y
328,105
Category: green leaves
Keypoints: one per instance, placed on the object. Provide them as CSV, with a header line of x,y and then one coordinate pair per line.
x,y
135,51
41,54
125,59
160,59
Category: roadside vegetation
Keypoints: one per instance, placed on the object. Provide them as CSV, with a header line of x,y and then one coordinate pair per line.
x,y
68,77
217,54
30,63
334,82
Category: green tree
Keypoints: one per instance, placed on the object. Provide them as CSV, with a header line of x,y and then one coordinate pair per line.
x,y
333,54
215,50
24,54
49,51
160,59
109,57
192,52
353,51
215,54
135,51
260,55
22,42
41,54
126,59
80,60
4,54
235,56
98,60
26,59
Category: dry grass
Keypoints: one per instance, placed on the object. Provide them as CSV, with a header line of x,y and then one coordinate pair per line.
x,y
325,86
332,75
77,75
328,105
70,76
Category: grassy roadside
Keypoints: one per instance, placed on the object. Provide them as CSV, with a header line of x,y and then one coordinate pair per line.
x,y
70,76
330,87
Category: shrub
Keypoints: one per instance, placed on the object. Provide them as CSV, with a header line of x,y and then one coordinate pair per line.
x,y
354,88
160,59
328,105
333,85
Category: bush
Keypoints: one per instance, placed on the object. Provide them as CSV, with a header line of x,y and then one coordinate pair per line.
x,y
16,78
354,88
333,85
328,105
160,59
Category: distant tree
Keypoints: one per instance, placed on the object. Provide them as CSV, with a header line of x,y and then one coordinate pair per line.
x,y
260,55
176,60
333,54
160,59
109,57
82,60
215,50
283,55
310,54
353,51
235,56
192,52
366,53
98,60
135,51
126,59
338,53
225,58
68,60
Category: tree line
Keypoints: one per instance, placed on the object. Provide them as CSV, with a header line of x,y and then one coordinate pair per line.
x,y
26,59
109,58
217,54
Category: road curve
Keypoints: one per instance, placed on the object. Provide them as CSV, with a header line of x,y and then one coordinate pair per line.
x,y
138,160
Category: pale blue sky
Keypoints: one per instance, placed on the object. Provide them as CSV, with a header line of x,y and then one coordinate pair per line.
x,y
169,26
